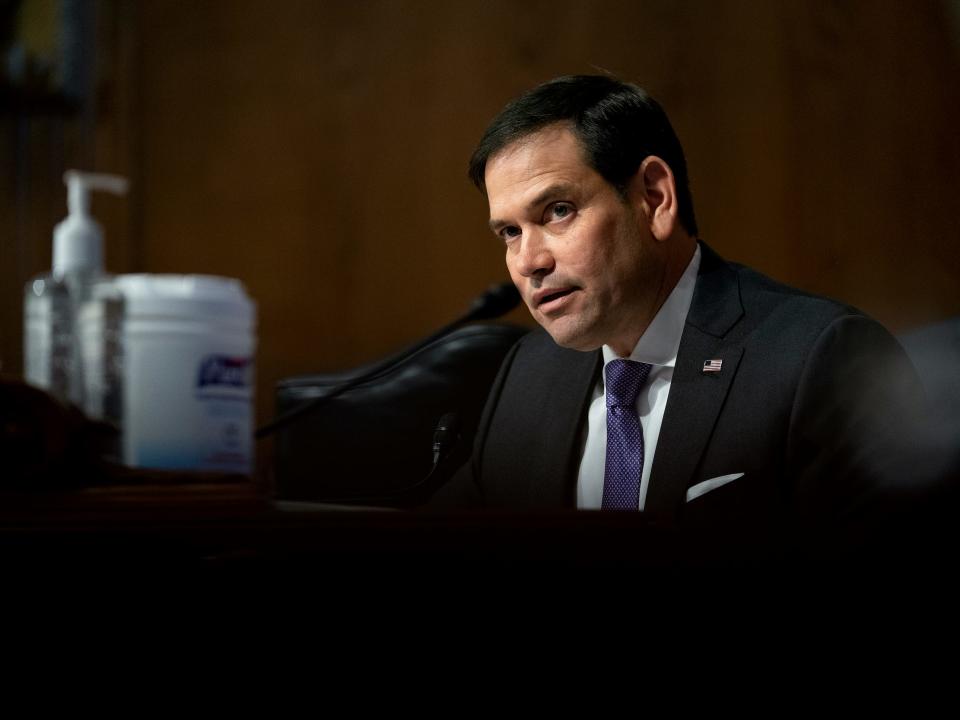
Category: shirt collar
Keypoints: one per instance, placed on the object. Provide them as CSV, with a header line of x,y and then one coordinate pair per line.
x,y
659,343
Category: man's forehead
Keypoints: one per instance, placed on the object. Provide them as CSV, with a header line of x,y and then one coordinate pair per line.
x,y
557,136
548,157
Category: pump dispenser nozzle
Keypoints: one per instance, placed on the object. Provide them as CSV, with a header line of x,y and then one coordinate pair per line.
x,y
78,238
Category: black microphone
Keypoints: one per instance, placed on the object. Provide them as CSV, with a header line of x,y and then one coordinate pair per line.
x,y
445,437
497,300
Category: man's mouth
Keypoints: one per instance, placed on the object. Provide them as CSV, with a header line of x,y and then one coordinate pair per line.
x,y
553,299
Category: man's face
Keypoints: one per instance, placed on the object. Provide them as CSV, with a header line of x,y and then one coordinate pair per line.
x,y
582,257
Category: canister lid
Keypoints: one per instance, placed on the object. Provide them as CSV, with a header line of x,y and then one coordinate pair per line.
x,y
196,297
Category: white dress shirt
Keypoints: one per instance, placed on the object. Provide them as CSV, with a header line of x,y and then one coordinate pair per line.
x,y
658,346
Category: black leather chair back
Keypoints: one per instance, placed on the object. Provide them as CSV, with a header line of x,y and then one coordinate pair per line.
x,y
373,444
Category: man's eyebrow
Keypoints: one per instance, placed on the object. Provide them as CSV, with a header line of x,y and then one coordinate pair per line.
x,y
548,193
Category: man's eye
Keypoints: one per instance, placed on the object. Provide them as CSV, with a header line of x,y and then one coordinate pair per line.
x,y
510,232
559,211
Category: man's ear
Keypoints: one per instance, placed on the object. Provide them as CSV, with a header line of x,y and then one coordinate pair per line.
x,y
654,190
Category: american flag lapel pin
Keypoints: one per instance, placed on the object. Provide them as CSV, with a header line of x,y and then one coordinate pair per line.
x,y
712,366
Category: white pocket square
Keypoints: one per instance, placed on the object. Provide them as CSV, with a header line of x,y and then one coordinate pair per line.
x,y
706,486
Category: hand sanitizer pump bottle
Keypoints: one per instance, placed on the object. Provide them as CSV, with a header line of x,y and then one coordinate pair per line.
x,y
52,358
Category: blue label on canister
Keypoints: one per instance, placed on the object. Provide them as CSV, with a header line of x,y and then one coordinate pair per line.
x,y
224,371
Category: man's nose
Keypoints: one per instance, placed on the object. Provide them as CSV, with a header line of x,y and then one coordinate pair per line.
x,y
534,258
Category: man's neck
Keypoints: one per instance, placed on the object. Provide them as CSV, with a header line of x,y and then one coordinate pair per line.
x,y
678,251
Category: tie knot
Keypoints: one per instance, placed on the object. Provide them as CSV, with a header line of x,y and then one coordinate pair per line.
x,y
624,378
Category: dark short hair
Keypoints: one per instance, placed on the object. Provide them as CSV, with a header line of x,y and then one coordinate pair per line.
x,y
617,124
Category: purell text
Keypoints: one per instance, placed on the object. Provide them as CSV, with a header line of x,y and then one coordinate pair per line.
x,y
223,371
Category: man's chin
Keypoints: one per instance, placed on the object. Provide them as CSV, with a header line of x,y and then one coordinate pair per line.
x,y
570,339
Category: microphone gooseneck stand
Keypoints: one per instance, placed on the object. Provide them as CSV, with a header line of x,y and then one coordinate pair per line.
x,y
496,301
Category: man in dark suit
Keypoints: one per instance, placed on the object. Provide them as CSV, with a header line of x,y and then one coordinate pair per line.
x,y
755,408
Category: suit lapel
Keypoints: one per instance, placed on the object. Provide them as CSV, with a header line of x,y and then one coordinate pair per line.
x,y
564,415
696,397
528,457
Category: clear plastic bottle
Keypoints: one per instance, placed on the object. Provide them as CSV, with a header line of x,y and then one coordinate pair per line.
x,y
48,360
99,330
52,357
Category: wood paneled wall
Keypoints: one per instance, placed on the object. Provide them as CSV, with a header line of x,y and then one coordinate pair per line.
x,y
317,150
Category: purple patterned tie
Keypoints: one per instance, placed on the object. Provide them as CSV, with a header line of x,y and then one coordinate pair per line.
x,y
621,475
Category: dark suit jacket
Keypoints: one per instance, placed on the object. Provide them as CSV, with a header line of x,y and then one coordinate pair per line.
x,y
810,405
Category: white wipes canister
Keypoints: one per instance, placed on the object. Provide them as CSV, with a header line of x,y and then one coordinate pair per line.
x,y
188,355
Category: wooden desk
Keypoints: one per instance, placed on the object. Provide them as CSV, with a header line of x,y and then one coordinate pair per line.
x,y
231,524
177,541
